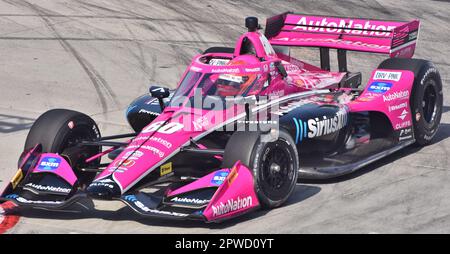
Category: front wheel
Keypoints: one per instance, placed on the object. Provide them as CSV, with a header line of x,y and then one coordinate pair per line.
x,y
426,104
60,131
274,164
426,99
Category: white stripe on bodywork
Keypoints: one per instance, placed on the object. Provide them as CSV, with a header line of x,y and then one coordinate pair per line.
x,y
203,134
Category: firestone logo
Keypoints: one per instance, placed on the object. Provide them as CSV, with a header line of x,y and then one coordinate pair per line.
x,y
232,205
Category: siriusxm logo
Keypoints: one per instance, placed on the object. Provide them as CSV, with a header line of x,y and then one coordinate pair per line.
x,y
49,163
231,205
219,177
320,127
379,87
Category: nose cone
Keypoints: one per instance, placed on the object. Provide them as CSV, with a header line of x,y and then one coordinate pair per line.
x,y
105,188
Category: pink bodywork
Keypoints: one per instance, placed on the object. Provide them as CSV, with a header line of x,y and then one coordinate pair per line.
x,y
235,188
154,146
394,103
130,167
377,36
235,196
62,168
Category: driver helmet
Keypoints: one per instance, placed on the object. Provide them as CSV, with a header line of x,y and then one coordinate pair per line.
x,y
236,84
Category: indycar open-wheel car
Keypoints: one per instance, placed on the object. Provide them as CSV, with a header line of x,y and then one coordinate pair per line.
x,y
242,126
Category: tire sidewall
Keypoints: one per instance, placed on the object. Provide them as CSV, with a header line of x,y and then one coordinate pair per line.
x,y
79,122
424,132
257,155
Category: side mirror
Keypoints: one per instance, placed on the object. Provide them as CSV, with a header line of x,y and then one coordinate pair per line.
x,y
160,93
281,69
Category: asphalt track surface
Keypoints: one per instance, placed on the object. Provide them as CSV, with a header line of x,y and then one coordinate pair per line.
x,y
96,56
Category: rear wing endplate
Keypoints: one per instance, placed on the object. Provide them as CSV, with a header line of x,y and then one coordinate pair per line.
x,y
395,38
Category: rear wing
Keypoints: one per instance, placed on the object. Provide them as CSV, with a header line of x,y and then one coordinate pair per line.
x,y
395,38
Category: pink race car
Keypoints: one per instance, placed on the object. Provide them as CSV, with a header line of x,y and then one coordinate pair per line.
x,y
243,125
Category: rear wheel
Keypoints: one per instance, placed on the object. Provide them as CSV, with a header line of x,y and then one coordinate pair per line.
x,y
59,131
426,99
274,164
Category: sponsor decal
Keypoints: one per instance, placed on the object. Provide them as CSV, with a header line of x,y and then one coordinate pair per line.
x,y
299,83
425,76
196,69
291,68
365,99
70,125
148,112
405,134
400,95
152,149
126,163
95,129
364,27
334,41
219,177
200,123
132,155
161,141
141,206
231,205
225,70
429,137
379,87
218,62
48,188
317,127
403,114
17,178
253,69
387,75
26,201
159,89
122,165
108,183
49,163
160,127
277,93
152,101
232,176
165,169
194,201
398,106
403,125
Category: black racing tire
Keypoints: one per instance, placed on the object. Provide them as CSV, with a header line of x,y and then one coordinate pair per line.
x,y
426,98
274,164
219,50
59,129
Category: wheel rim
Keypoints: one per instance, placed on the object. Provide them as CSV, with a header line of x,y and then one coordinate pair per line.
x,y
429,101
276,172
76,136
